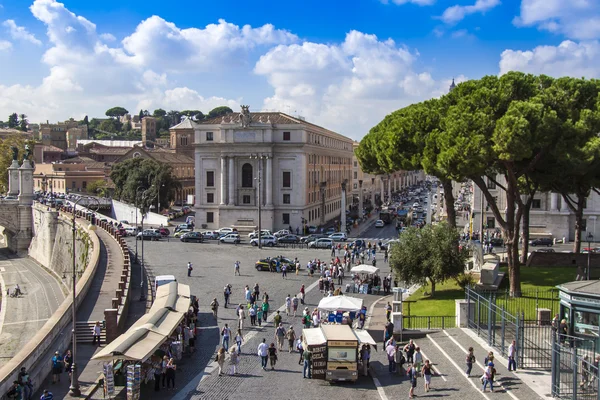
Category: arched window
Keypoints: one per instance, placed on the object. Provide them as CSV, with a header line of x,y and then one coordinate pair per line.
x,y
247,177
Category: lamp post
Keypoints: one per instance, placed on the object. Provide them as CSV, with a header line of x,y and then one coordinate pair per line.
x,y
142,296
590,237
259,158
74,388
162,185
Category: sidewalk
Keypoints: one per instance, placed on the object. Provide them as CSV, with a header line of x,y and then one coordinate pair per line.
x,y
99,298
366,224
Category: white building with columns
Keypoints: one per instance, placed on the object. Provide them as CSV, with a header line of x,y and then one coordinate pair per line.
x,y
299,167
550,215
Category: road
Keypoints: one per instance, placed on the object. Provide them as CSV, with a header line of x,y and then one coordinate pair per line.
x,y
22,317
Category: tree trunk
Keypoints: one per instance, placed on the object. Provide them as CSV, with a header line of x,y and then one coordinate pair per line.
x,y
525,248
578,223
432,287
449,201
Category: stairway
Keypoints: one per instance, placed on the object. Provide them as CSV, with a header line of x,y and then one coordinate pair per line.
x,y
85,331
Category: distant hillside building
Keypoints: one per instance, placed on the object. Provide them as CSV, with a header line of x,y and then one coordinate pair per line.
x,y
63,135
148,131
182,137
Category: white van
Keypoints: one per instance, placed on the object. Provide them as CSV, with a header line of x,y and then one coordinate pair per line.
x,y
163,280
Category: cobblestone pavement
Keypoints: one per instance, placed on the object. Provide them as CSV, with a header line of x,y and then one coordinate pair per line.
x,y
26,314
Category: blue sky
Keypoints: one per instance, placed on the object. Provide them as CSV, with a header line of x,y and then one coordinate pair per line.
x,y
343,65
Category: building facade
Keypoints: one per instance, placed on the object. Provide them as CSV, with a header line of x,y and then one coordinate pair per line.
x,y
295,169
63,135
64,178
148,131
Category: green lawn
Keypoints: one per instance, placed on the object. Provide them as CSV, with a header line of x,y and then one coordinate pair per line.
x,y
532,278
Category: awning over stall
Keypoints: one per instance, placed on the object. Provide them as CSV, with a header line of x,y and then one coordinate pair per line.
x,y
340,303
364,269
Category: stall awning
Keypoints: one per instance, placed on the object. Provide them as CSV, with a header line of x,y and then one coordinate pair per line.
x,y
313,337
340,303
137,346
365,338
364,269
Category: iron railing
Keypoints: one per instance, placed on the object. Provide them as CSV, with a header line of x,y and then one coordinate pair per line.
x,y
428,322
574,369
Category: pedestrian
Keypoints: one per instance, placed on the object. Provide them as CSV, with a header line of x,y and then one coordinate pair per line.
x,y
239,339
265,310
263,353
295,302
470,360
237,269
288,305
191,339
226,333
15,391
290,335
391,354
252,314
385,255
300,348
165,362
56,367
412,376
47,395
220,359
241,317
234,359
488,377
585,372
512,354
170,372
189,268
284,268
306,320
214,306
280,335
409,349
418,359
333,250
400,360
426,372
307,359
96,331
157,370
259,315
226,294
68,360
272,355
25,382
388,311
277,319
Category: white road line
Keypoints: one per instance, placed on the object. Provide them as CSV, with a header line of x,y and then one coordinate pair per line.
x,y
368,321
479,364
458,368
380,390
27,321
435,369
212,366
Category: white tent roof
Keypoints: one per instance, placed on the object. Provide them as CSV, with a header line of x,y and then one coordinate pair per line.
x,y
340,303
365,269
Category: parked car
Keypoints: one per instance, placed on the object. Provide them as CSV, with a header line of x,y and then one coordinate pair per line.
x,y
388,244
330,230
312,238
541,242
254,234
131,231
225,230
269,263
192,237
181,232
149,234
358,243
496,242
339,237
312,229
268,240
164,231
288,239
214,235
379,223
123,232
231,238
183,226
544,251
324,243
281,233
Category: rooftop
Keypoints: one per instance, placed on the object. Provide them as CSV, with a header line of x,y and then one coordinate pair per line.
x,y
589,287
185,124
110,143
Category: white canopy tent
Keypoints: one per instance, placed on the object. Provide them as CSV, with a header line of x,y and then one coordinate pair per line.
x,y
340,303
364,269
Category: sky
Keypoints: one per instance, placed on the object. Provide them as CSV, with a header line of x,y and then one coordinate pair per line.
x,y
341,64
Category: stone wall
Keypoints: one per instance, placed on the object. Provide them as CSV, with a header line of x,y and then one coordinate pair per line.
x,y
123,211
542,259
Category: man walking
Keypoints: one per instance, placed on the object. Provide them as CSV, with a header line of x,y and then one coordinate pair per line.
x,y
276,319
226,294
214,306
307,357
280,335
291,337
284,268
263,353
189,268
288,305
512,354
237,269
226,333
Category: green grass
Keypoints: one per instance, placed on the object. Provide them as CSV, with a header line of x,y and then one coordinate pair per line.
x,y
532,279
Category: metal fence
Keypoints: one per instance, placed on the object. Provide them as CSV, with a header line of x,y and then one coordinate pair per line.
x,y
574,368
428,323
529,303
489,318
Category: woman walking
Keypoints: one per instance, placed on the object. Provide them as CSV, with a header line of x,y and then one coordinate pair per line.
x,y
470,360
239,339
221,359
412,376
234,360
426,372
171,367
272,355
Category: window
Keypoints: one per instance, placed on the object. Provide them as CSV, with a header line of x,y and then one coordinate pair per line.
x,y
286,136
210,217
84,185
491,184
287,179
355,175
210,197
246,199
73,185
286,199
209,136
247,177
491,223
286,218
210,178
356,186
584,225
536,203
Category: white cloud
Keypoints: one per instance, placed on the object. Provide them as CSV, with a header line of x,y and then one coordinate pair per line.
x,y
576,19
567,59
20,32
456,13
108,37
417,2
5,45
347,87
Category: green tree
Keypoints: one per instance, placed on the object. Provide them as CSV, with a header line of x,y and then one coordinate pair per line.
x,y
219,111
147,174
98,188
196,115
110,125
141,115
116,112
126,127
430,254
159,113
174,117
13,120
6,156
23,122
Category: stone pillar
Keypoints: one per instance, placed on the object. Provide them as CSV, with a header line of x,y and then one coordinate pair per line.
x,y
26,183
360,199
390,189
13,178
563,205
381,191
261,175
112,329
269,183
553,201
343,215
223,175
231,196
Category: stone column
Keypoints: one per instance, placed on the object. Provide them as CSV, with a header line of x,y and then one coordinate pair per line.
x,y
26,183
343,215
231,196
223,177
553,201
13,178
390,189
381,189
563,205
360,199
262,180
269,183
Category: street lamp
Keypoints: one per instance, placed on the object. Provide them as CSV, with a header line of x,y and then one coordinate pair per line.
x,y
590,237
144,193
74,388
259,157
158,197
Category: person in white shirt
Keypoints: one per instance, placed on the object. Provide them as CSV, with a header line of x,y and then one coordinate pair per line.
x,y
236,265
512,354
288,305
241,317
263,353
96,333
316,320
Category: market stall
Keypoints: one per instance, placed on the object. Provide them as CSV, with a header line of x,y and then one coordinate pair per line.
x,y
365,280
339,309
